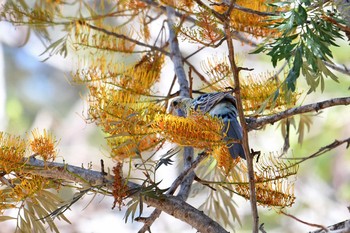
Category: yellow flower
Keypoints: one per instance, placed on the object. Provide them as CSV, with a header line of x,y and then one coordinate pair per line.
x,y
43,144
129,146
224,159
273,182
248,22
12,151
197,130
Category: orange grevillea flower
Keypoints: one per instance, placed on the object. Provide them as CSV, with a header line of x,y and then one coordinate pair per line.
x,y
197,130
43,144
12,151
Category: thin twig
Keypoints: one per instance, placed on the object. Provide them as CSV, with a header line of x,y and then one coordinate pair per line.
x,y
275,75
342,69
245,143
6,182
255,12
323,150
340,227
163,9
210,10
256,123
170,90
200,76
261,228
304,222
121,36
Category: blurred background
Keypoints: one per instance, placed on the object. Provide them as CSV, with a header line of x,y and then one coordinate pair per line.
x,y
36,94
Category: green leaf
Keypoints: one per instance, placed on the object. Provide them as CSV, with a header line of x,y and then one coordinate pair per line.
x,y
298,60
305,121
307,2
288,26
291,80
306,42
279,4
295,70
258,50
300,15
322,83
310,80
326,71
57,47
131,210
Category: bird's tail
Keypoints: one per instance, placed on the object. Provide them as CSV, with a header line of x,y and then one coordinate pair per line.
x,y
234,131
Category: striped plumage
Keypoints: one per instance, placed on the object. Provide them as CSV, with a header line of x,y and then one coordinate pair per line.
x,y
217,104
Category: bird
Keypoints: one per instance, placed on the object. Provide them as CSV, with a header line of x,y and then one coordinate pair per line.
x,y
217,104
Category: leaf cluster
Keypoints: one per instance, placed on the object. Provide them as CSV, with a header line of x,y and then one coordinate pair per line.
x,y
33,211
305,42
136,203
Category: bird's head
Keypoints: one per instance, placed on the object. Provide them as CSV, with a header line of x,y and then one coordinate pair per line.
x,y
180,106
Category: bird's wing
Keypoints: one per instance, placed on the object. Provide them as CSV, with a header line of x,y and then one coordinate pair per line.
x,y
206,102
218,104
226,111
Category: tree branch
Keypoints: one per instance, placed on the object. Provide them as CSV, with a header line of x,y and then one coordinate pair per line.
x,y
200,76
163,9
176,54
181,210
323,150
176,58
256,123
155,214
304,222
342,69
172,205
341,227
65,172
255,12
245,142
123,37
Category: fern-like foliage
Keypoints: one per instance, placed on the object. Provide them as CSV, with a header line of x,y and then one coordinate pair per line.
x,y
307,35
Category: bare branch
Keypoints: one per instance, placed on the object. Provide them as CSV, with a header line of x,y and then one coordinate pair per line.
x,y
261,228
207,8
176,55
65,172
304,222
187,183
256,123
172,205
176,58
342,69
163,9
121,36
324,149
341,227
187,213
200,76
245,142
155,214
255,12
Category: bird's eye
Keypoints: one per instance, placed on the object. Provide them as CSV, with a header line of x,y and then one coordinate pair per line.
x,y
175,103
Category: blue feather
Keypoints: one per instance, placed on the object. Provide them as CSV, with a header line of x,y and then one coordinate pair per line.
x,y
223,105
